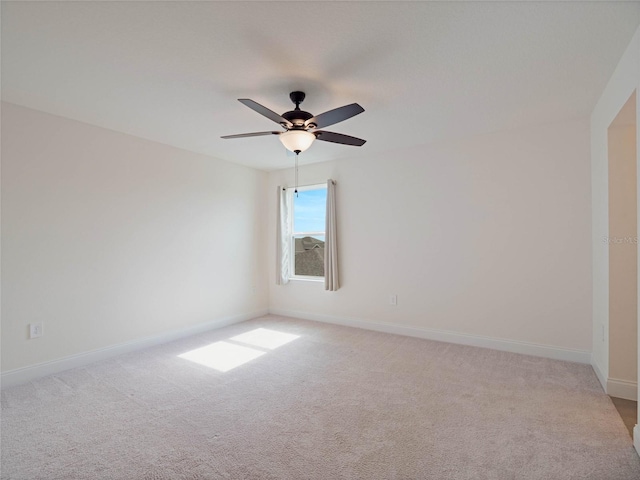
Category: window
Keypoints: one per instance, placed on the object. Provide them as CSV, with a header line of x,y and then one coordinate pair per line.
x,y
307,226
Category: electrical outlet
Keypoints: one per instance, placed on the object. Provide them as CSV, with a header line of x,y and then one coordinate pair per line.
x,y
393,300
36,330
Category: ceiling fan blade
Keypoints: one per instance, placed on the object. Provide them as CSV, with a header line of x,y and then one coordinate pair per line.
x,y
254,134
334,116
262,110
339,138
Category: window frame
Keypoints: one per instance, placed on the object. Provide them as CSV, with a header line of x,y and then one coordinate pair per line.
x,y
294,234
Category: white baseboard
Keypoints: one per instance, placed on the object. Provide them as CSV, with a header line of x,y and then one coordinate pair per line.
x,y
602,378
26,374
513,346
636,438
619,388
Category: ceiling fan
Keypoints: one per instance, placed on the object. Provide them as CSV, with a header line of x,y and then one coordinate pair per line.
x,y
301,127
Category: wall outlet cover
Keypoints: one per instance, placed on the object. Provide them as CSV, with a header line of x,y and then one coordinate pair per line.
x,y
36,330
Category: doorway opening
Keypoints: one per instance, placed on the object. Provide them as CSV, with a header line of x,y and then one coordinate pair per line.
x,y
622,384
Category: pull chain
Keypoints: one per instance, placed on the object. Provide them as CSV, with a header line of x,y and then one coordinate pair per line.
x,y
296,190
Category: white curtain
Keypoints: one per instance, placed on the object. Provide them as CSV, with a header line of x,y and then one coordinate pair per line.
x,y
331,241
282,238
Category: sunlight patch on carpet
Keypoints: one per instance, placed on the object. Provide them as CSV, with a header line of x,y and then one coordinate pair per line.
x,y
225,356
222,356
265,338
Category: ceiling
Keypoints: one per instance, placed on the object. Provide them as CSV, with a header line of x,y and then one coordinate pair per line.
x,y
424,71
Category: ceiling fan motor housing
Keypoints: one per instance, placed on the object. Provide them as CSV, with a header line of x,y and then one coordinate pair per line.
x,y
297,117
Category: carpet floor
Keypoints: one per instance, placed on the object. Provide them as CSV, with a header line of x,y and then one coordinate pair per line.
x,y
332,403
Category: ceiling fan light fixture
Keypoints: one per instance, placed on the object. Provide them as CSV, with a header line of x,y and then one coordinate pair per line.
x,y
297,140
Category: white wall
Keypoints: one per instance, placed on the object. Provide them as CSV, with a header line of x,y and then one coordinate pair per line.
x,y
624,81
108,238
488,237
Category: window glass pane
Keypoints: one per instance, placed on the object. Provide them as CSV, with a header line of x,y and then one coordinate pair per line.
x,y
309,210
309,255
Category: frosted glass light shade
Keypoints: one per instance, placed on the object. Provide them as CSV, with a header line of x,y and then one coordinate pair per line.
x,y
297,140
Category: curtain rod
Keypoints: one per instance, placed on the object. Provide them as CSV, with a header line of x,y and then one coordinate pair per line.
x,y
310,184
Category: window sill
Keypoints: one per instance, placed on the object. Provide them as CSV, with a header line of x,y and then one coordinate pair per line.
x,y
307,279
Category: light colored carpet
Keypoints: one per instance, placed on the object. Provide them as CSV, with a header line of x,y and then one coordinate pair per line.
x,y
335,403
